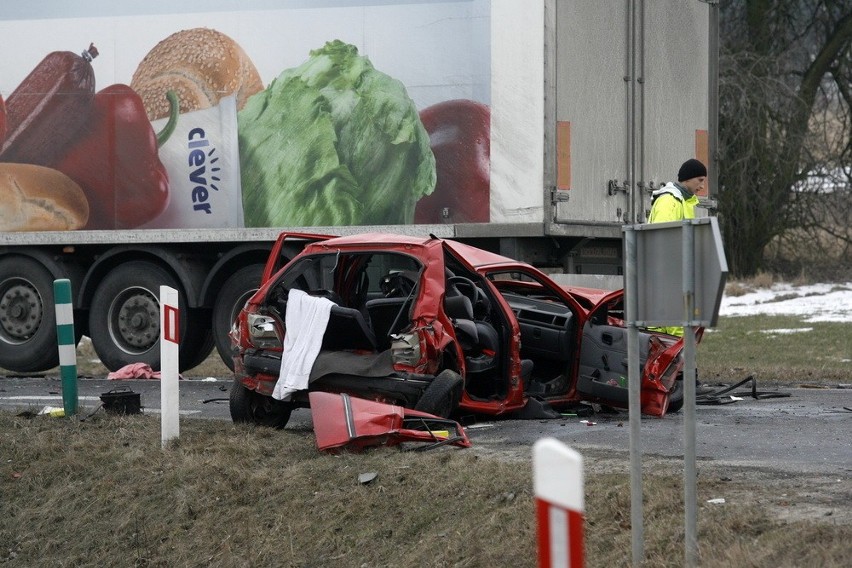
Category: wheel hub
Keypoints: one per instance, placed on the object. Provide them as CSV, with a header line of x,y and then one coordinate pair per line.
x,y
138,320
20,312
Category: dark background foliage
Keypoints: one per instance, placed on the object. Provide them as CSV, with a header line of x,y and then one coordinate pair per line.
x,y
785,133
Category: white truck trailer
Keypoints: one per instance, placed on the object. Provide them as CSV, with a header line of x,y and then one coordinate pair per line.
x,y
535,129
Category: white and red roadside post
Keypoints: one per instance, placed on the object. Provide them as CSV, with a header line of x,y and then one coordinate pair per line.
x,y
169,344
559,503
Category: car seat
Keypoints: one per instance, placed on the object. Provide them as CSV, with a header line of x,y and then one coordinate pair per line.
x,y
479,341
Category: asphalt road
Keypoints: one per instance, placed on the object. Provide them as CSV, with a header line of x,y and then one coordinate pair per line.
x,y
810,431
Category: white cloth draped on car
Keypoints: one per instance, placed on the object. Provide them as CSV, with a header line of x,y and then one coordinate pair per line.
x,y
306,320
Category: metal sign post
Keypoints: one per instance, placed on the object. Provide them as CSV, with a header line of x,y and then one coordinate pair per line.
x,y
689,488
634,399
665,261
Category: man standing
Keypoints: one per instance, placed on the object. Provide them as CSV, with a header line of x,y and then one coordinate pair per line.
x,y
676,202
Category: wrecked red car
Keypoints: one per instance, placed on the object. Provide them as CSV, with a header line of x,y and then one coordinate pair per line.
x,y
437,326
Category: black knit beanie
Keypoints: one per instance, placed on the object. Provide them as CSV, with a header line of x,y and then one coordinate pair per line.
x,y
691,168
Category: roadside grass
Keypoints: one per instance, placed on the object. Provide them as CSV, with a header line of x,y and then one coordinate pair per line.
x,y
102,492
782,350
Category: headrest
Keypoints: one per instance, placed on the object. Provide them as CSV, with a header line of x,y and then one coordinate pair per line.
x,y
459,307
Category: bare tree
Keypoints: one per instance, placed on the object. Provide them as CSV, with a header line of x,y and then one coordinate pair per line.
x,y
785,105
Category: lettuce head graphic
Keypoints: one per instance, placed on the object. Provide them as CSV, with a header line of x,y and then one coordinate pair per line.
x,y
333,142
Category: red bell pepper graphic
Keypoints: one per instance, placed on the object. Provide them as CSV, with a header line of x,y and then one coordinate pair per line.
x,y
116,163
460,136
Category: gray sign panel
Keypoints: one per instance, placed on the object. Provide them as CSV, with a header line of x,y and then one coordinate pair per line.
x,y
660,259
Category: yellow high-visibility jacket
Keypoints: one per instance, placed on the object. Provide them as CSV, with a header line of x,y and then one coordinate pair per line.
x,y
672,202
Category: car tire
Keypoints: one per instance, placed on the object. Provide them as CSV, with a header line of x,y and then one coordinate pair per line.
x,y
676,396
248,406
443,394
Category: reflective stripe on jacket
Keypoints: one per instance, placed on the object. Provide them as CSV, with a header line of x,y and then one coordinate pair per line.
x,y
669,203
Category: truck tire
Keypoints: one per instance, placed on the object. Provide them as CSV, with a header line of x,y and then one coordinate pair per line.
x,y
250,407
198,343
232,296
124,319
27,317
443,394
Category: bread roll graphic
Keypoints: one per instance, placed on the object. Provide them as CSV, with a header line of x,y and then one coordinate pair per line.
x,y
35,198
201,65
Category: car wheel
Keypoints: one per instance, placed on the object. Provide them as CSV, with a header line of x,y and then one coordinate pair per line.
x,y
232,296
247,406
676,396
442,396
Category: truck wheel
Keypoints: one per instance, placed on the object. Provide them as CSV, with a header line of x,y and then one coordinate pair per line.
x,y
254,408
124,320
197,344
232,296
27,317
443,394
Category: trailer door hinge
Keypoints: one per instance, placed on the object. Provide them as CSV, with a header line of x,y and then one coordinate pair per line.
x,y
612,187
648,188
558,196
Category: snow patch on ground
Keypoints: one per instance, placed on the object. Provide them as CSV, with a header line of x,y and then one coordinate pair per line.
x,y
813,302
783,331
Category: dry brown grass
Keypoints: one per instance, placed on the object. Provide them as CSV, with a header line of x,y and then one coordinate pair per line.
x,y
103,493
745,285
742,346
760,280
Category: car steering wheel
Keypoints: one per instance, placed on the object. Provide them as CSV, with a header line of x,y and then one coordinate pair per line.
x,y
396,285
466,287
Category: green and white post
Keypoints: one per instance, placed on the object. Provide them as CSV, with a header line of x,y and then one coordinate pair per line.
x,y
67,345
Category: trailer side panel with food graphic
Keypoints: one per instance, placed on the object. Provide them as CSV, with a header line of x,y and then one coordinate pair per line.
x,y
154,144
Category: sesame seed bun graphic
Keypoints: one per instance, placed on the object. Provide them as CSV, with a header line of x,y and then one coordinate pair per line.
x,y
201,65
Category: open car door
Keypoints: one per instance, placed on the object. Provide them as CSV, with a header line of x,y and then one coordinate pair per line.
x,y
286,246
604,363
